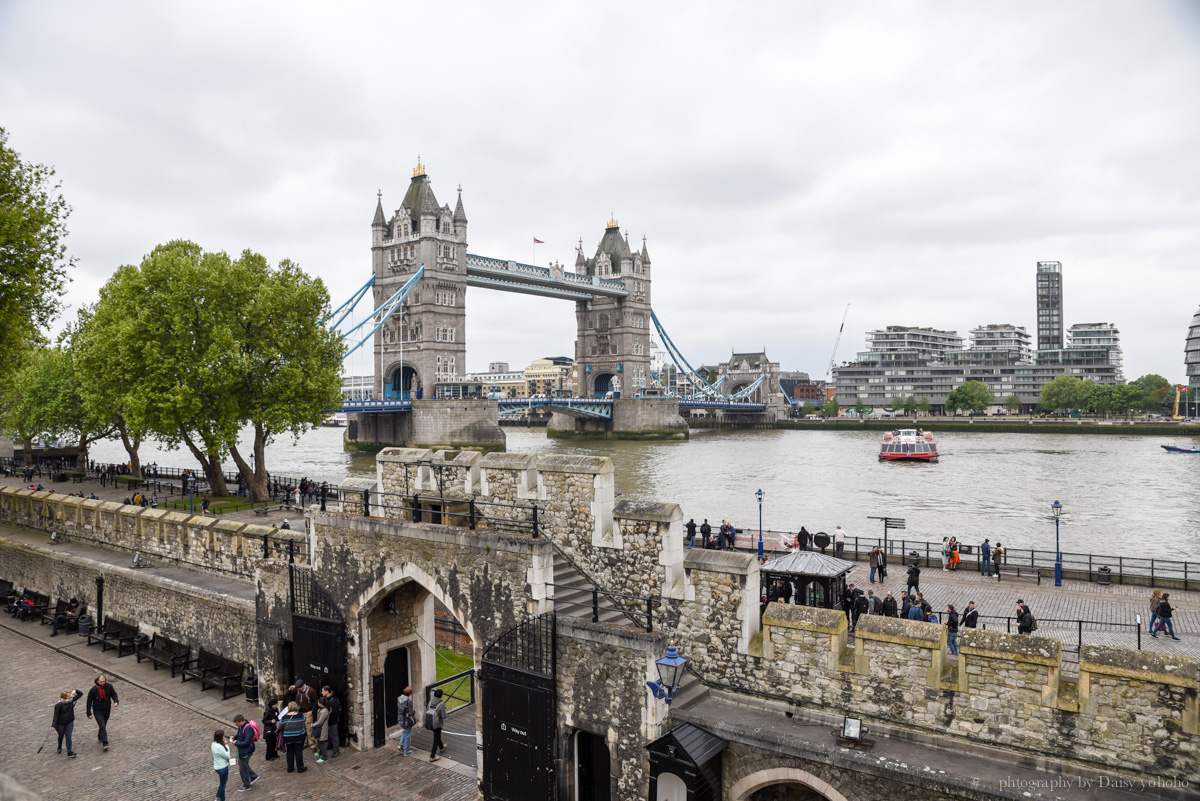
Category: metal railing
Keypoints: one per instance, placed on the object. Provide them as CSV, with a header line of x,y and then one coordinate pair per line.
x,y
1069,632
458,691
1089,567
294,550
633,610
466,513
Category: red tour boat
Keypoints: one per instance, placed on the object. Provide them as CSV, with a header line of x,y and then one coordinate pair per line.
x,y
908,445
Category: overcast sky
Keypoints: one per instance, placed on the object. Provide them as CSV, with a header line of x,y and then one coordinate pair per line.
x,y
912,159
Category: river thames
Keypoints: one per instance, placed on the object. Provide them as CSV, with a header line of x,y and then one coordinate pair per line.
x,y
1121,494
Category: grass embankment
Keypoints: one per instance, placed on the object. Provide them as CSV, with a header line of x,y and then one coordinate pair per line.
x,y
216,506
942,425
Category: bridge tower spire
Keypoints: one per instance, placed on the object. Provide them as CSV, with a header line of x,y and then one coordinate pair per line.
x,y
424,344
612,350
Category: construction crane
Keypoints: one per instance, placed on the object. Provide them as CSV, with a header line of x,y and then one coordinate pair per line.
x,y
836,342
1175,411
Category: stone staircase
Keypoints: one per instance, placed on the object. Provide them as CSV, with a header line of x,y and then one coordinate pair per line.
x,y
577,603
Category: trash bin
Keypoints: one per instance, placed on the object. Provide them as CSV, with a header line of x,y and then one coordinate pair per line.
x,y
1105,575
250,684
914,556
85,625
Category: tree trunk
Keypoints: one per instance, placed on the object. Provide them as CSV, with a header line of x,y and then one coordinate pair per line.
x,y
29,451
210,462
256,479
131,447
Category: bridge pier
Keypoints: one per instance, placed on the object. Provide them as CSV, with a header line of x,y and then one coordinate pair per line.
x,y
633,418
436,424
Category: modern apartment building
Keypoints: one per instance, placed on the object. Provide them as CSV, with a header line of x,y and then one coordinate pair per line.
x,y
1191,353
1049,306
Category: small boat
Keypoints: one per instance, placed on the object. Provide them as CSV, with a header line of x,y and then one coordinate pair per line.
x,y
1177,449
908,445
335,420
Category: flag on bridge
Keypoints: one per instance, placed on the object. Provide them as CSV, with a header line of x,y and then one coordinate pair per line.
x,y
537,241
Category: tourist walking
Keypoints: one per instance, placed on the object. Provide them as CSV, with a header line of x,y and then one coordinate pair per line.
x,y
905,603
406,716
691,532
335,720
1155,600
839,541
1164,617
101,701
321,730
64,718
270,729
306,699
889,606
914,578
292,729
985,558
952,629
245,749
220,755
435,716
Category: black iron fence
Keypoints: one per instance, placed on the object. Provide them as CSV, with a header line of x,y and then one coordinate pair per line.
x,y
1073,634
467,513
295,550
640,608
458,691
1036,563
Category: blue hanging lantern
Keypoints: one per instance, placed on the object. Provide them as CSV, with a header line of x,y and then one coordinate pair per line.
x,y
670,672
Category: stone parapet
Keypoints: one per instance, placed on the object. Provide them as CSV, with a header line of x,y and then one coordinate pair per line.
x,y
893,649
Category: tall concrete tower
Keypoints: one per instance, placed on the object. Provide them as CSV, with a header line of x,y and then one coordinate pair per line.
x,y
1049,306
612,349
424,344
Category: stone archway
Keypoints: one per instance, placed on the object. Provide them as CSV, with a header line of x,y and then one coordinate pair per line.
x,y
404,384
745,788
414,629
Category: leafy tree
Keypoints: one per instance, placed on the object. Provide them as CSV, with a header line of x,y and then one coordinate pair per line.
x,y
206,344
33,253
1101,398
923,405
830,408
910,405
1012,403
808,408
1151,382
1060,394
1126,397
972,395
861,409
105,376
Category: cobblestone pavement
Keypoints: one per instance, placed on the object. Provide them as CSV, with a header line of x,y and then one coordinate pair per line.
x,y
147,727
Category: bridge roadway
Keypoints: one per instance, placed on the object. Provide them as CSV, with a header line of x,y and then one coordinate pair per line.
x,y
580,407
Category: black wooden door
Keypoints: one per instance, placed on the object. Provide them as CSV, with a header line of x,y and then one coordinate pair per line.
x,y
395,671
379,702
592,767
319,652
518,707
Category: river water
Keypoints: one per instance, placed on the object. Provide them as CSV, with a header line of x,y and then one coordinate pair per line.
x,y
1121,494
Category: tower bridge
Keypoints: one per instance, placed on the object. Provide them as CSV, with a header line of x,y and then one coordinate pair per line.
x,y
421,270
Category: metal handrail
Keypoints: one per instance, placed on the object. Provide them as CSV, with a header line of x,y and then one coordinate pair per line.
x,y
440,510
467,676
650,602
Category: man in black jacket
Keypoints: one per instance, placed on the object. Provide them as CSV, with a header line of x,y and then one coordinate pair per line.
x,y
889,606
691,533
1024,618
706,533
861,607
914,578
101,700
970,618
1164,617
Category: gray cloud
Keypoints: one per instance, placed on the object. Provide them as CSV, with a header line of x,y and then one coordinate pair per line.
x,y
912,159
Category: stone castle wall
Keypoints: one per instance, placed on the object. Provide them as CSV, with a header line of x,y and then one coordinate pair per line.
x,y
197,541
202,618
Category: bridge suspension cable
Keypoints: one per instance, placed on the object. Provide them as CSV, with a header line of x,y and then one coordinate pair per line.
x,y
685,368
384,313
349,305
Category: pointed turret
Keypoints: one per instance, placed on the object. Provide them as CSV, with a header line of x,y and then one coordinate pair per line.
x,y
581,260
645,253
460,216
380,221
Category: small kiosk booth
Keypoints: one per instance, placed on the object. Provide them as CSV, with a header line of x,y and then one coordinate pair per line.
x,y
807,578
685,765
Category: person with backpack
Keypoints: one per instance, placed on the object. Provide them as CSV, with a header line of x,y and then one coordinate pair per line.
x,y
247,733
406,716
1026,624
306,701
874,603
270,731
1164,617
335,720
861,607
64,718
435,716
292,730
101,700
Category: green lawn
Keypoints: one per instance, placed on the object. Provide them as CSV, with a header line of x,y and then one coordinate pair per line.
x,y
216,506
450,664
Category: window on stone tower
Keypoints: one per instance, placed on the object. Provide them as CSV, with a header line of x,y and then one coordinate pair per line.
x,y
613,350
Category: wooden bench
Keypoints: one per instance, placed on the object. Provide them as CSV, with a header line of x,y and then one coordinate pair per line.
x,y
40,604
60,608
166,652
115,634
214,670
8,593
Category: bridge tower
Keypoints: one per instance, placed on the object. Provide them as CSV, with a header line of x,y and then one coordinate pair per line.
x,y
424,344
612,349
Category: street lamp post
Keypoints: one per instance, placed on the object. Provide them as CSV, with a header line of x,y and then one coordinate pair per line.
x,y
670,671
759,495
1057,507
192,494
